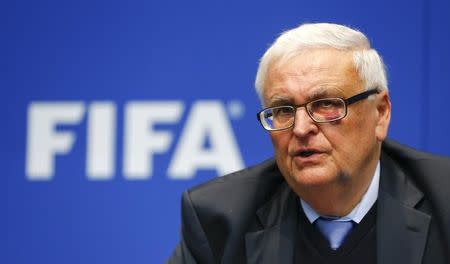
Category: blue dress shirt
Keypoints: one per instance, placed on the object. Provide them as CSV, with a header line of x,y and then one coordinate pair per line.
x,y
359,211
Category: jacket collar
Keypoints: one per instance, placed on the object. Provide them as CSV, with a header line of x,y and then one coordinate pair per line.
x,y
275,243
402,230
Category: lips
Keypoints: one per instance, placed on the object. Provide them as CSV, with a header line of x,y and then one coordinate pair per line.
x,y
306,152
308,155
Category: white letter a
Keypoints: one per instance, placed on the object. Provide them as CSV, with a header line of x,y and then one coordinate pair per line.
x,y
207,119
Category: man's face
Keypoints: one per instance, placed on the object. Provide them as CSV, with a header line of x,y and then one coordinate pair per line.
x,y
344,152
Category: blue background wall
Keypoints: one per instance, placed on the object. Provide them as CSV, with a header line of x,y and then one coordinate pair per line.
x,y
185,51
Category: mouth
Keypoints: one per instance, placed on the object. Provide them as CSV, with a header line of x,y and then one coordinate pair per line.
x,y
308,156
306,153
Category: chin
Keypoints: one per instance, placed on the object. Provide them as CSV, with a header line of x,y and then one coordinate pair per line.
x,y
314,176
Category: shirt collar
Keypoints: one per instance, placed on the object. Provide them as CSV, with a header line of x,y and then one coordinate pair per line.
x,y
359,211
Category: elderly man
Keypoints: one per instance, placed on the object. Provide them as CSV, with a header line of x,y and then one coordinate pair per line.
x,y
337,191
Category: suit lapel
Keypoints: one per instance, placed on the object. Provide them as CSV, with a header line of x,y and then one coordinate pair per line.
x,y
276,242
401,229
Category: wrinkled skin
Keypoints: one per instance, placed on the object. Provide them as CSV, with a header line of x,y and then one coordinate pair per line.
x,y
346,152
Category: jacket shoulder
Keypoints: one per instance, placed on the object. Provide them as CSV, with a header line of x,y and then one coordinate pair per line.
x,y
430,173
218,213
410,156
238,187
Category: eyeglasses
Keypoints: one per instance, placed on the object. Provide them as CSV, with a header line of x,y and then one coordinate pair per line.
x,y
323,110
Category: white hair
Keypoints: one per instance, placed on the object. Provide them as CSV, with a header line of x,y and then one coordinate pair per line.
x,y
368,63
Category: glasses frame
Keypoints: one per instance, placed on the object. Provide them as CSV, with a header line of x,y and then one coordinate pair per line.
x,y
347,102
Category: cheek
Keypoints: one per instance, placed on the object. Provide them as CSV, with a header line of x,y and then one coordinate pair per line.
x,y
359,128
280,142
351,142
347,141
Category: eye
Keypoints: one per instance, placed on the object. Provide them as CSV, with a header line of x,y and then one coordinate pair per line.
x,y
282,111
326,103
268,114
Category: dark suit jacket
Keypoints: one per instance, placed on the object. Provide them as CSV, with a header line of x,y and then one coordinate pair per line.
x,y
250,216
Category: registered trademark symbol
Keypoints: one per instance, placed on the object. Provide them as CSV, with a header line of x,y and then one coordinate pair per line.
x,y
235,109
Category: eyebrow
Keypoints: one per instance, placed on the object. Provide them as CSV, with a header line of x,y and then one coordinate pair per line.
x,y
280,100
324,93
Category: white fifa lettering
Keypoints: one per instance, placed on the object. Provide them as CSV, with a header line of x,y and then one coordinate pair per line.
x,y
43,141
101,139
207,120
141,140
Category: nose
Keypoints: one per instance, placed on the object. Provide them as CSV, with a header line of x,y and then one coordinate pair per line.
x,y
303,124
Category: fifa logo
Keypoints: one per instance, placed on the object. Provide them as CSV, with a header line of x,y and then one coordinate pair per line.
x,y
144,136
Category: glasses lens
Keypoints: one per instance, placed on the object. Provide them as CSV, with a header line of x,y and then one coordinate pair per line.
x,y
326,110
277,117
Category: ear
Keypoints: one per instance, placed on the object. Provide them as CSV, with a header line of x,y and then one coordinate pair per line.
x,y
384,115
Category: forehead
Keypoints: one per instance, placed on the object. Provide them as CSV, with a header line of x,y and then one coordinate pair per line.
x,y
316,72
